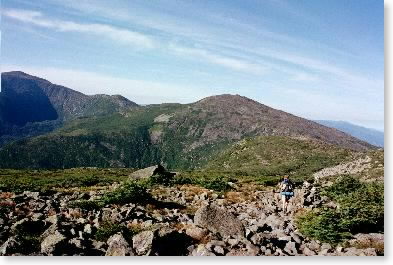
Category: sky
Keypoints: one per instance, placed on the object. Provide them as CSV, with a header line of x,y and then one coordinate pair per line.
x,y
318,59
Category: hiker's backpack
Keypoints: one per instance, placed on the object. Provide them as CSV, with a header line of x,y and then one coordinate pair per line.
x,y
287,187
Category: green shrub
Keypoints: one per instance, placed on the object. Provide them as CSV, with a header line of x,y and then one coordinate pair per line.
x,y
206,179
342,187
166,179
107,229
218,184
361,211
129,192
269,181
323,225
184,179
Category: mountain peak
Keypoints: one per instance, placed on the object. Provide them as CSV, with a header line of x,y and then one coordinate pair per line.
x,y
27,98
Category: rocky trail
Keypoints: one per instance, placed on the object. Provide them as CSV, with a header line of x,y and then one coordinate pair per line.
x,y
186,220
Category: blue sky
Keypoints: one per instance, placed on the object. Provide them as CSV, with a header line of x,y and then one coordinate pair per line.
x,y
319,59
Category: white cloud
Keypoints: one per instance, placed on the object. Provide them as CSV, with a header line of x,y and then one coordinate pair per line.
x,y
118,34
228,62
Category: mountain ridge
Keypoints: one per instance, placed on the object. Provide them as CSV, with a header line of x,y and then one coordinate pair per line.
x,y
31,106
372,136
184,136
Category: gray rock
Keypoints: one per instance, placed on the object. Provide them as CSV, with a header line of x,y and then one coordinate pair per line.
x,y
308,252
252,250
98,244
326,246
219,221
52,219
290,248
372,239
257,239
118,246
87,229
314,246
143,242
78,243
274,222
296,238
210,245
359,252
219,250
237,252
30,194
201,250
147,172
233,241
52,243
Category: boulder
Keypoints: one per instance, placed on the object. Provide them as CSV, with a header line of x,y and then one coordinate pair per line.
x,y
314,246
201,250
52,243
196,233
143,242
290,248
274,222
308,252
118,246
359,252
147,172
219,221
368,240
219,250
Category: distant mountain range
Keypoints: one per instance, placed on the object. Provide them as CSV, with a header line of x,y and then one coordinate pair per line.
x,y
368,135
62,128
32,106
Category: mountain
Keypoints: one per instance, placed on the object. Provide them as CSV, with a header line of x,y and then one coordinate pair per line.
x,y
368,135
32,106
178,136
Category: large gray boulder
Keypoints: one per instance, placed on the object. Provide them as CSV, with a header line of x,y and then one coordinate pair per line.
x,y
118,246
219,221
143,242
52,243
147,172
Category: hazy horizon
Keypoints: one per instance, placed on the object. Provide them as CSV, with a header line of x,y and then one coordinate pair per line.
x,y
321,60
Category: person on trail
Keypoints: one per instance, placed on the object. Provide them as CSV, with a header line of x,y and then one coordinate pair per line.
x,y
286,190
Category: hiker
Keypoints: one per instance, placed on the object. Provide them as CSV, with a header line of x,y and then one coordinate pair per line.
x,y
286,190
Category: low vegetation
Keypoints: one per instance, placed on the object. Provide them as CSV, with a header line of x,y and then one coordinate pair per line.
x,y
209,180
128,192
46,180
267,157
107,229
361,210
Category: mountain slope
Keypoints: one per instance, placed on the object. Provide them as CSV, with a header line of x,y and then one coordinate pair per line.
x,y
31,106
277,156
179,136
233,117
368,135
24,93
